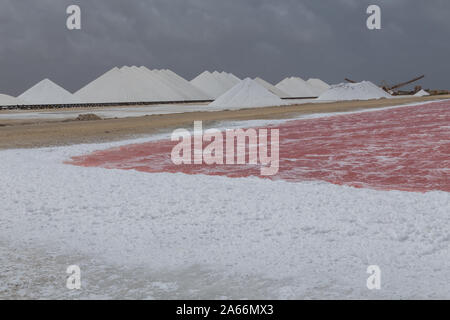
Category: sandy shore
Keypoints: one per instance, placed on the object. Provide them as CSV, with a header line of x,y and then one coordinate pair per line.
x,y
41,133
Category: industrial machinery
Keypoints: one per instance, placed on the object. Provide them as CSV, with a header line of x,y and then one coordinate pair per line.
x,y
394,89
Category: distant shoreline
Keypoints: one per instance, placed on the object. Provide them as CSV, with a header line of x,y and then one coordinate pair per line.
x,y
35,133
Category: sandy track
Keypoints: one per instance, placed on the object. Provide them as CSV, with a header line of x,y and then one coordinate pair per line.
x,y
40,133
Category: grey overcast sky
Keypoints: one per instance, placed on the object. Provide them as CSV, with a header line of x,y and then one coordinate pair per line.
x,y
272,39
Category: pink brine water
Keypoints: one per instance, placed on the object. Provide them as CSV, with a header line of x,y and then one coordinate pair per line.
x,y
406,148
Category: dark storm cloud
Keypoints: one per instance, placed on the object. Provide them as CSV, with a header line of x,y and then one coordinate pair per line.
x,y
272,39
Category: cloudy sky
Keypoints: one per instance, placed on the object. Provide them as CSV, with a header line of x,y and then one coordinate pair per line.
x,y
327,39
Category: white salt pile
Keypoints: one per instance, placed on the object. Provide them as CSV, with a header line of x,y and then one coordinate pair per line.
x,y
365,90
422,93
297,87
143,85
7,100
319,85
272,88
109,87
47,92
193,92
233,77
215,84
209,84
247,94
140,84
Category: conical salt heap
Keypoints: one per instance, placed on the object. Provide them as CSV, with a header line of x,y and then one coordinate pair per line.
x,y
247,94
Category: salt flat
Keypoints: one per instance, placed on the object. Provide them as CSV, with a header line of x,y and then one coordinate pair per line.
x,y
143,235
